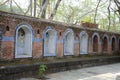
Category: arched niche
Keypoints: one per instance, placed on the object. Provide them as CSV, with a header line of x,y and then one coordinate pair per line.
x,y
119,43
50,40
83,42
1,34
95,41
105,41
113,43
68,42
23,41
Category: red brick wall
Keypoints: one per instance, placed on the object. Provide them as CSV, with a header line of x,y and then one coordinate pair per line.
x,y
76,49
12,20
7,50
60,50
37,49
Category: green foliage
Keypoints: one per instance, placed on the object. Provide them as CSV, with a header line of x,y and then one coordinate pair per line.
x,y
70,11
87,19
42,69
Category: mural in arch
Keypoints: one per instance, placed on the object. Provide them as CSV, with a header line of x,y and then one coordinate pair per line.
x,y
83,43
105,42
23,41
50,40
95,42
113,43
68,42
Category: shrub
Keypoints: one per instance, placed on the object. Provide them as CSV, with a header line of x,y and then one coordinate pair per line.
x,y
41,71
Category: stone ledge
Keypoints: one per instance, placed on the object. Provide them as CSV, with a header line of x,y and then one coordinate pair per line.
x,y
27,70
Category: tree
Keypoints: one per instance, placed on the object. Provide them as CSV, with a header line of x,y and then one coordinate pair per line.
x,y
106,13
55,9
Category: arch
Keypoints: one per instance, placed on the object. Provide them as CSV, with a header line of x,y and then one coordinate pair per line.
x,y
113,43
23,40
50,40
105,42
95,41
119,43
83,42
68,42
1,34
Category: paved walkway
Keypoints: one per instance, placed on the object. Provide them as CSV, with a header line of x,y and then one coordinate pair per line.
x,y
106,72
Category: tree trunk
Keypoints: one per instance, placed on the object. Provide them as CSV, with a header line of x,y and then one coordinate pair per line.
x,y
28,8
35,8
4,3
54,10
109,19
117,2
11,10
96,11
31,7
18,6
44,7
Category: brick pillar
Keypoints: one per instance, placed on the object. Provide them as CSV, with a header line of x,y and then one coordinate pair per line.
x,y
90,47
109,48
37,47
76,48
7,50
60,48
117,45
99,48
7,46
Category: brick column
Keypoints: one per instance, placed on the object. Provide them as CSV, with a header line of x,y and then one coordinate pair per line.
x,y
37,47
76,48
60,48
90,47
99,48
109,48
7,46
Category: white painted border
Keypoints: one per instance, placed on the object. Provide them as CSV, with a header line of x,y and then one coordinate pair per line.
x,y
105,35
29,27
97,34
80,35
113,36
65,33
44,36
99,42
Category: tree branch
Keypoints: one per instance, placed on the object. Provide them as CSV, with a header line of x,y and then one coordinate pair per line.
x,y
109,19
55,9
44,7
96,11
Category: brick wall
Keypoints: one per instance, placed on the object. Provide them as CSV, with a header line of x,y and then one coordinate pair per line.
x,y
13,20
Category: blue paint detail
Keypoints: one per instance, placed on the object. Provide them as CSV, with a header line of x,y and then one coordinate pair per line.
x,y
38,40
55,43
85,50
48,54
29,28
64,41
7,38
